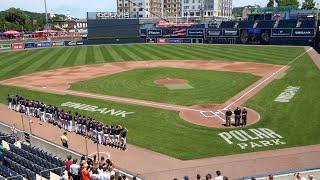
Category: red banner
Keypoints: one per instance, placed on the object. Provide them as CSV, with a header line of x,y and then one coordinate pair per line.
x,y
17,46
162,40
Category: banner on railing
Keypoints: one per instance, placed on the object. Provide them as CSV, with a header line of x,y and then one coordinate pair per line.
x,y
5,46
28,45
17,46
43,44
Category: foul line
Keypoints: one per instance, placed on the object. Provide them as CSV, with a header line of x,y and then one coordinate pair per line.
x,y
273,74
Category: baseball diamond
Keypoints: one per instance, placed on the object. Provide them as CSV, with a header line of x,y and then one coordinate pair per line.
x,y
129,85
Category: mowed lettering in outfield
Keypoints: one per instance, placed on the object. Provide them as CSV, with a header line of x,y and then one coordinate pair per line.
x,y
253,138
96,109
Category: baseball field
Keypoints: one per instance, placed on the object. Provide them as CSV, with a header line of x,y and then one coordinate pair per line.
x,y
149,88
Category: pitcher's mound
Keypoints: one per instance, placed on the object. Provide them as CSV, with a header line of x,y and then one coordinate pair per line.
x,y
173,83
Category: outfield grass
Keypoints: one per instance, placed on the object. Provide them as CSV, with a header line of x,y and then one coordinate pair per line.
x,y
163,131
208,86
23,62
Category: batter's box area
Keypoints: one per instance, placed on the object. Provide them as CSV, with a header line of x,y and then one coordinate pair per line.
x,y
208,114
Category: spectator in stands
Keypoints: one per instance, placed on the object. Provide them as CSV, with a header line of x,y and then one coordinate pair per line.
x,y
112,177
64,140
225,178
67,165
134,178
75,170
105,175
208,177
219,176
198,177
95,175
100,169
270,177
1,152
310,177
186,178
85,173
297,176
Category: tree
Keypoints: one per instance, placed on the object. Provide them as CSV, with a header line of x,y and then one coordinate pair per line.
x,y
270,3
294,3
308,4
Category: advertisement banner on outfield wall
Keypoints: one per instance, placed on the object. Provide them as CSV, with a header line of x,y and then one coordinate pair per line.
x,y
79,43
154,32
5,46
281,32
214,32
186,41
28,45
195,32
303,32
57,43
44,44
73,43
174,40
17,46
230,33
162,40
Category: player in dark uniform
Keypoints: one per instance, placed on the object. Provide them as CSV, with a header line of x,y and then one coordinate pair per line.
x,y
228,117
244,116
111,135
123,134
117,136
237,116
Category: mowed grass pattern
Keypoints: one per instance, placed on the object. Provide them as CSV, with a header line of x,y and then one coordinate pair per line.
x,y
23,62
163,131
208,86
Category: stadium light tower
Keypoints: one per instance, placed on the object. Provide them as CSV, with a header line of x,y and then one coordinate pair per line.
x,y
45,8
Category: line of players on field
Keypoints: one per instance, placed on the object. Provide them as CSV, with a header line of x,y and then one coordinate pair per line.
x,y
240,117
115,136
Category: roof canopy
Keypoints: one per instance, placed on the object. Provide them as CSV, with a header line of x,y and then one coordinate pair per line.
x,y
11,32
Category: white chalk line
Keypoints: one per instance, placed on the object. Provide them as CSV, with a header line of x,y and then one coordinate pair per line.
x,y
272,75
153,104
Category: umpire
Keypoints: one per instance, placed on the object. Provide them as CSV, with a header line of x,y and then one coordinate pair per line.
x,y
228,117
237,116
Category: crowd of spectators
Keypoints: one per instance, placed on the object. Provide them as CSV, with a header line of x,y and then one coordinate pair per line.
x,y
111,135
92,169
209,176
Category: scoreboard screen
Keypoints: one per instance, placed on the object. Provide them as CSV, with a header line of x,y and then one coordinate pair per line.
x,y
107,27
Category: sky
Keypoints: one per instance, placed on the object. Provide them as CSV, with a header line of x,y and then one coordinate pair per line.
x,y
78,8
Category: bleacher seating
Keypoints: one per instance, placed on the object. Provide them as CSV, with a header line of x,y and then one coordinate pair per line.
x,y
265,24
307,24
287,24
29,161
227,24
7,172
246,24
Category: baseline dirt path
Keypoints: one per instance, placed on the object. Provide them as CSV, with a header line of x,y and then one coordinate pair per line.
x,y
314,55
155,166
211,115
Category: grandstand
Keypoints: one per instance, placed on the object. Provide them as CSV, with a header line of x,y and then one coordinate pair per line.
x,y
29,162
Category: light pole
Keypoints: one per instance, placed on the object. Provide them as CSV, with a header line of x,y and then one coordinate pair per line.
x,y
45,8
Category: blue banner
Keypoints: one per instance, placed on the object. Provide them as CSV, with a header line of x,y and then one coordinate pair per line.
x,y
28,45
58,43
231,32
70,43
303,32
281,32
185,40
195,32
79,43
214,32
174,40
155,32
44,44
143,32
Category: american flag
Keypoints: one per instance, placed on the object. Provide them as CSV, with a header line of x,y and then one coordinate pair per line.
x,y
179,32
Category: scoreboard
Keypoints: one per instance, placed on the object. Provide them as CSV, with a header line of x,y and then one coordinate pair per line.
x,y
110,25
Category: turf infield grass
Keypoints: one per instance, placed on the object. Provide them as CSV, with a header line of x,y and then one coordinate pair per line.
x,y
208,86
296,121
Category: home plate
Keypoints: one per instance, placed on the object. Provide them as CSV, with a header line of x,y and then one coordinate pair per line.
x,y
207,114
